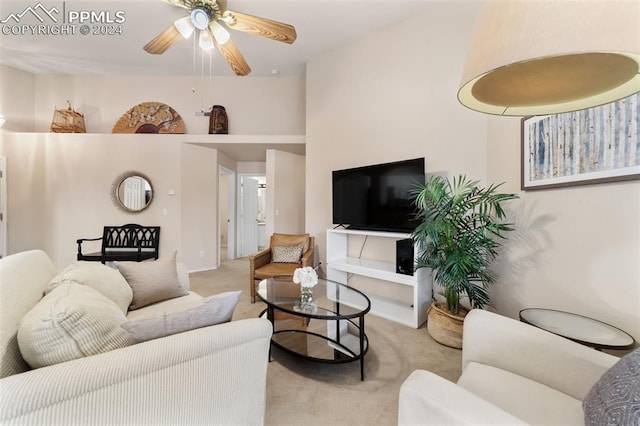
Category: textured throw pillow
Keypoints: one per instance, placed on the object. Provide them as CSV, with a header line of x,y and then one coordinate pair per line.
x,y
106,280
286,254
615,398
201,313
72,321
152,282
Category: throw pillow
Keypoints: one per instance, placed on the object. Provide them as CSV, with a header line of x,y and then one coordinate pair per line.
x,y
106,280
615,398
202,313
152,282
286,254
72,321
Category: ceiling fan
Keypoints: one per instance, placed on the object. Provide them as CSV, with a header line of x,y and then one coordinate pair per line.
x,y
207,16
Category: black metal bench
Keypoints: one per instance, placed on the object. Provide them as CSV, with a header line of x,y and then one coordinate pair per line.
x,y
129,242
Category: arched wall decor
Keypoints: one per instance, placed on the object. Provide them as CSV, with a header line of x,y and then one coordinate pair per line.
x,y
150,117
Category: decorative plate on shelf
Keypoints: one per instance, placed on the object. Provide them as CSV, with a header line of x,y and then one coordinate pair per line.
x,y
150,117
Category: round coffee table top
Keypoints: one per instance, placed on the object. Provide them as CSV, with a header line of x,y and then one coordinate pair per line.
x,y
330,299
578,328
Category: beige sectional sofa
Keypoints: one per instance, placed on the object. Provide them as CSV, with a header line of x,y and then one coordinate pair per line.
x,y
209,375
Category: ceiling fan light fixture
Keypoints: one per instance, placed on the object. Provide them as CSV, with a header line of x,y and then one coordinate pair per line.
x,y
205,42
539,58
219,32
184,26
229,18
199,18
205,15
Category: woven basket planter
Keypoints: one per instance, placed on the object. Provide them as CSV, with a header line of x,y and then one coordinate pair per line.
x,y
444,327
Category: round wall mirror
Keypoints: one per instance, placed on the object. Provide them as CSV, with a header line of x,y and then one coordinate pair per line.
x,y
132,192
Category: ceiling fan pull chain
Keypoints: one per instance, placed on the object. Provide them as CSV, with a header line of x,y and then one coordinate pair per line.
x,y
210,106
202,80
193,88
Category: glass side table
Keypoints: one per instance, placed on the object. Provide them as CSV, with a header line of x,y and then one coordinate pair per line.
x,y
581,329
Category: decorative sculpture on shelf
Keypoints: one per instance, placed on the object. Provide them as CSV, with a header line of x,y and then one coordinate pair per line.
x,y
218,121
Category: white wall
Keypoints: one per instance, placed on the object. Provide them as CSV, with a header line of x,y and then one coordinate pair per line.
x,y
392,96
247,167
17,100
254,105
388,97
575,249
59,188
58,184
199,207
285,205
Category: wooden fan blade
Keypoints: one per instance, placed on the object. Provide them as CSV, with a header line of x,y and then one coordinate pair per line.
x,y
179,3
163,41
233,57
260,26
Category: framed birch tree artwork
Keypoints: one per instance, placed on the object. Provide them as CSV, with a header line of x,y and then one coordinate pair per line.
x,y
594,145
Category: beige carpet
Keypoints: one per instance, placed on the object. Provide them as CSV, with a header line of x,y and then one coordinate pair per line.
x,y
301,392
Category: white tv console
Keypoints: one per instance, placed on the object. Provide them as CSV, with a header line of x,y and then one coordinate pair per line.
x,y
339,265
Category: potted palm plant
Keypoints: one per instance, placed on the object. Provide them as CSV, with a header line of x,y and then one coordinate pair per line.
x,y
460,230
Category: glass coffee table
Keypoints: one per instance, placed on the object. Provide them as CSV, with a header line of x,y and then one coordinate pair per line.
x,y
581,329
327,328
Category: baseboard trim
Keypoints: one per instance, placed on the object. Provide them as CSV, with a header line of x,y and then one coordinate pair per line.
x,y
202,270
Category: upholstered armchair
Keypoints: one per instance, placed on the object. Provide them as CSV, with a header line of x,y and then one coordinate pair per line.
x,y
516,374
286,253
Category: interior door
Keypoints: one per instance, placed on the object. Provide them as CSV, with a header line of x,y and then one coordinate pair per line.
x,y
134,196
249,216
231,216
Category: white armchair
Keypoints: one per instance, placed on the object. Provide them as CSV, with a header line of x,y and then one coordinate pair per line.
x,y
513,373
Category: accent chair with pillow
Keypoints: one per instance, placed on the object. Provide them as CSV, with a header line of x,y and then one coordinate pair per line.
x,y
80,356
286,253
514,373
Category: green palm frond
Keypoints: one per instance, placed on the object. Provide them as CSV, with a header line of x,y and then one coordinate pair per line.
x,y
460,231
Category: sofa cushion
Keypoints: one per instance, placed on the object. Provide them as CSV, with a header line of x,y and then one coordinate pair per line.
x,y
615,398
71,322
196,314
23,278
545,405
286,254
152,282
171,305
106,280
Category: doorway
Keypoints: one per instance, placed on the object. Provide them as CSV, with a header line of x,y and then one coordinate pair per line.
x,y
251,214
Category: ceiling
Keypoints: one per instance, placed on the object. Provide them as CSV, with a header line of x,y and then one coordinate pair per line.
x,y
321,25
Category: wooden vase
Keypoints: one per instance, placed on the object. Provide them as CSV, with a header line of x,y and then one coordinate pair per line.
x,y
444,327
218,121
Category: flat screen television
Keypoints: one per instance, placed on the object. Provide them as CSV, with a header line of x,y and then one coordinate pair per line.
x,y
377,197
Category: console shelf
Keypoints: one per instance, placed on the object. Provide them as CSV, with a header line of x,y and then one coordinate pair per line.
x,y
339,265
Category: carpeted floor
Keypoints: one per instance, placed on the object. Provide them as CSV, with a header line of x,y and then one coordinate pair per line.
x,y
301,392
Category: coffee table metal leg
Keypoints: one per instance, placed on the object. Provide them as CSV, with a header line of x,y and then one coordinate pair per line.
x,y
271,317
361,323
